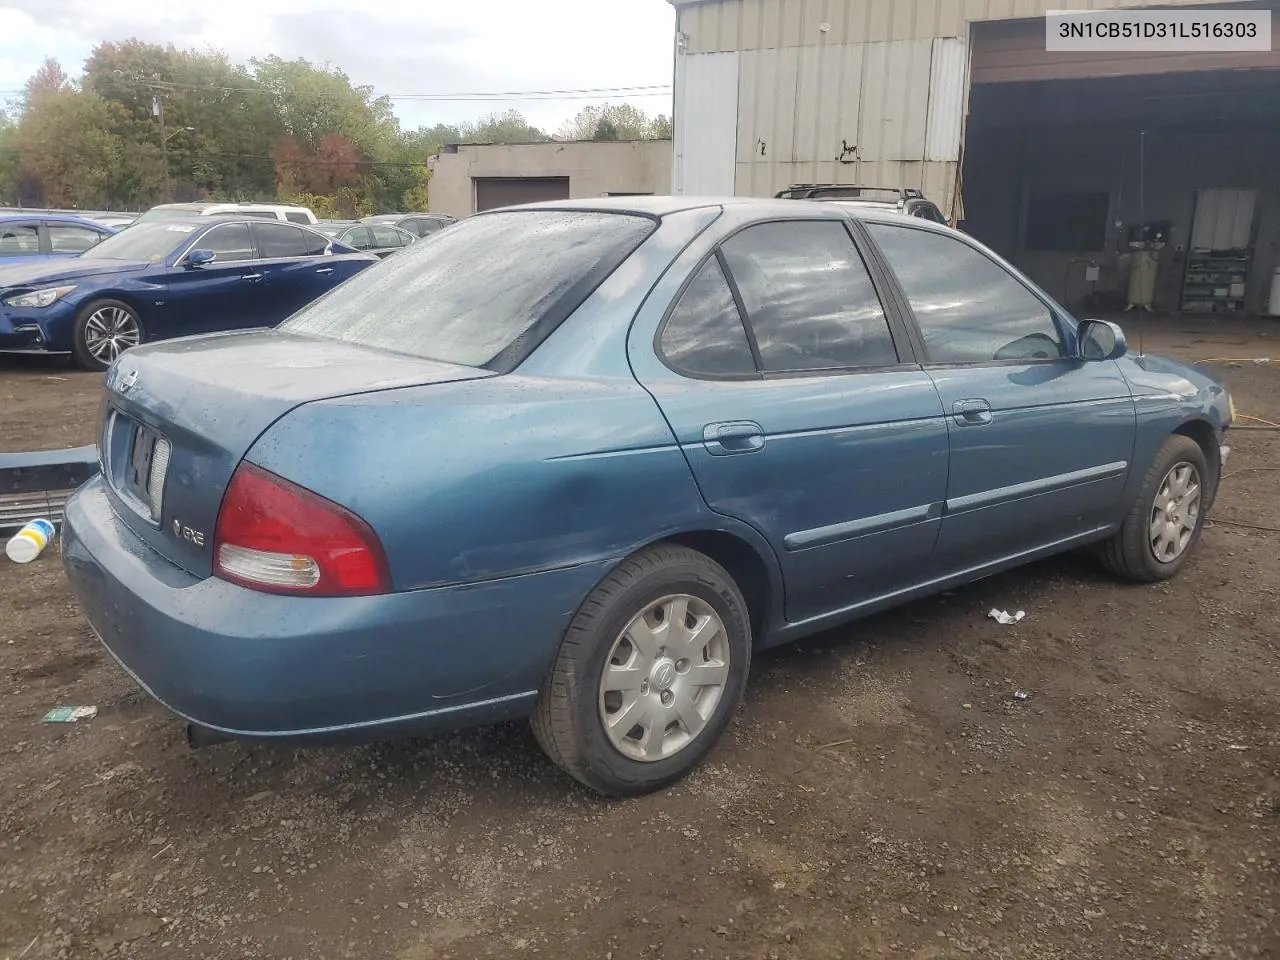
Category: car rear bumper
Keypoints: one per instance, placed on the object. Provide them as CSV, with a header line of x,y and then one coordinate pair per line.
x,y
251,665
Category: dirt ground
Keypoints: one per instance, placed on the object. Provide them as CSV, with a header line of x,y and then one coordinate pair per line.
x,y
882,793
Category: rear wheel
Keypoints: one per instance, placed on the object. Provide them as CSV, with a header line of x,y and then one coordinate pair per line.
x,y
648,675
1165,520
104,330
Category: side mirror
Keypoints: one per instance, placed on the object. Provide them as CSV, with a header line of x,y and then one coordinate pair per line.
x,y
1099,340
199,257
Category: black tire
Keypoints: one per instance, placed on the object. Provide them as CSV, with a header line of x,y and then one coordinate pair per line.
x,y
81,349
1130,553
567,720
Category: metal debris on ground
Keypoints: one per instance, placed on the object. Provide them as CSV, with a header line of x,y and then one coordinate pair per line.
x,y
1004,617
69,714
1021,695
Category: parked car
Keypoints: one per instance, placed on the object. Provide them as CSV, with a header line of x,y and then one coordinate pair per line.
x,y
587,486
116,221
167,278
293,213
902,199
380,239
25,238
419,224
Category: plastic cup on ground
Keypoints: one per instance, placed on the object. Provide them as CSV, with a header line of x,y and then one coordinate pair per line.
x,y
29,542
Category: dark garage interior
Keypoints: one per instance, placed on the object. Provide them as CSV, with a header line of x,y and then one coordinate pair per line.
x,y
1062,172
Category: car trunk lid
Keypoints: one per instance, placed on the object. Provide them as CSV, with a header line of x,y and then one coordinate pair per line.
x,y
178,418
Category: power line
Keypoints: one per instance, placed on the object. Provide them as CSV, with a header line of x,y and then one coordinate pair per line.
x,y
579,93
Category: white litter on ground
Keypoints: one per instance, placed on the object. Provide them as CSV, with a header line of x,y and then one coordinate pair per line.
x,y
1004,617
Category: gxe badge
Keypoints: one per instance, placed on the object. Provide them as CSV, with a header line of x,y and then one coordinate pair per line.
x,y
186,533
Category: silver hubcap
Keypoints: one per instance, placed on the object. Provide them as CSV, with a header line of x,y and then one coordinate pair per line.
x,y
1175,512
664,678
109,332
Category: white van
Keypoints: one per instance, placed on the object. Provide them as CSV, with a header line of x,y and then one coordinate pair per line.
x,y
268,211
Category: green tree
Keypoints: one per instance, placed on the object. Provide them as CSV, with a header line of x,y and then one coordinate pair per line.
x,y
313,102
510,126
219,122
615,121
66,144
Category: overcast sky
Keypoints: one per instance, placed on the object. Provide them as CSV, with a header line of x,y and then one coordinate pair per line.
x,y
404,47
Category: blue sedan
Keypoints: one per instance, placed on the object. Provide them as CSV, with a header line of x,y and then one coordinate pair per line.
x,y
587,486
31,237
167,279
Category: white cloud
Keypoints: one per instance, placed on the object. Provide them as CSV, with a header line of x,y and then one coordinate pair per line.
x,y
405,47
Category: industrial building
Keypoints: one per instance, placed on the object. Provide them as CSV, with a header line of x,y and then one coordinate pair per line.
x,y
1055,159
467,178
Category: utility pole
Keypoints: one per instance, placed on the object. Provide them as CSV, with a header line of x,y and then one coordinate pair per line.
x,y
157,109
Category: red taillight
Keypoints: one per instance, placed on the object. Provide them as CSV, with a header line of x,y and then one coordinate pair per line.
x,y
276,536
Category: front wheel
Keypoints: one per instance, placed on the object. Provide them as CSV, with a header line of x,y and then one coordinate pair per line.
x,y
648,675
104,330
1165,520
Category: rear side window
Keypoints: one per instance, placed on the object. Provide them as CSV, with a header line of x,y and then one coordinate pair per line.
x,y
483,293
808,296
295,217
19,239
278,240
704,335
230,243
357,237
969,308
387,236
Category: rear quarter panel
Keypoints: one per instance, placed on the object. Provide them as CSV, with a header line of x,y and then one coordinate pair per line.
x,y
472,481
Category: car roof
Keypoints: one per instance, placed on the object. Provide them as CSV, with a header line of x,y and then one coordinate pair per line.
x,y
223,219
57,217
866,204
246,205
387,217
664,206
762,207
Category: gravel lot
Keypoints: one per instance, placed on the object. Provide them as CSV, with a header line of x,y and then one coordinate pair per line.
x,y
882,792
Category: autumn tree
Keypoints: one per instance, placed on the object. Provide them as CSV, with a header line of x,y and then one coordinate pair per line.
x,y
48,78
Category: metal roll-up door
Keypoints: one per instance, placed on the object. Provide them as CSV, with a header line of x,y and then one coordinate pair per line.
x,y
494,192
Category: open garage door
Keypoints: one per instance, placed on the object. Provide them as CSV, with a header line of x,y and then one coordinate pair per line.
x,y
494,192
1102,176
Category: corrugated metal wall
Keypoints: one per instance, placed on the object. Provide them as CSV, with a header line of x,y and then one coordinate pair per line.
x,y
706,118
871,92
870,113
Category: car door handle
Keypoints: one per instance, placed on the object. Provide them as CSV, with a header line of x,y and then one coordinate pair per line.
x,y
324,269
251,276
739,436
971,413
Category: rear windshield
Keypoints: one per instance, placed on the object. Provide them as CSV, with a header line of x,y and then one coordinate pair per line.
x,y
483,293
